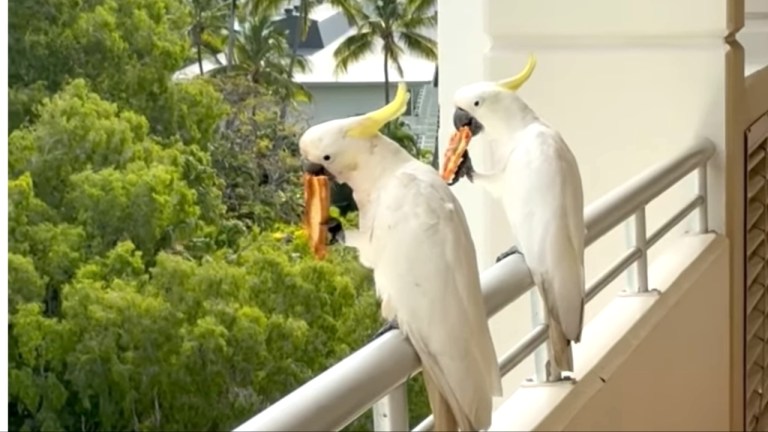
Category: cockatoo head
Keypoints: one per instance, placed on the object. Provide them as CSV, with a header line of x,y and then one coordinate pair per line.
x,y
491,105
338,148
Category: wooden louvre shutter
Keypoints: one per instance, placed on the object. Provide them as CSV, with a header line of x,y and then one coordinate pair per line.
x,y
756,297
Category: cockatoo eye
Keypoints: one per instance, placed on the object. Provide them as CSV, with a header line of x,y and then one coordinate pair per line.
x,y
477,103
327,158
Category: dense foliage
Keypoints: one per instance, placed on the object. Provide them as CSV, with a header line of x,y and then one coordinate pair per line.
x,y
158,278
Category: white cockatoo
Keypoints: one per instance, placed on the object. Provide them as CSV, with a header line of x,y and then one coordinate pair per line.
x,y
536,178
413,234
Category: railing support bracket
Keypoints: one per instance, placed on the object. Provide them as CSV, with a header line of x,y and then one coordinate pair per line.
x,y
566,380
650,293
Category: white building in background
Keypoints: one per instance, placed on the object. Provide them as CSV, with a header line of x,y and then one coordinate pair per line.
x,y
361,88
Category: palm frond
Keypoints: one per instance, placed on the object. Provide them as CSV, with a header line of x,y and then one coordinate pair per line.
x,y
418,22
301,64
394,52
254,9
237,71
300,94
353,49
420,8
420,45
213,45
352,10
305,9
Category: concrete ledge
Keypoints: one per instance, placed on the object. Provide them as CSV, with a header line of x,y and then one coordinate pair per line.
x,y
757,94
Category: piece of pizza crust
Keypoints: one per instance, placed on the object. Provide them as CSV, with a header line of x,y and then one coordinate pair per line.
x,y
455,152
317,203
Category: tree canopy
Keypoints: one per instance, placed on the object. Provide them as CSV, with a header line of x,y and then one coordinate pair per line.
x,y
158,276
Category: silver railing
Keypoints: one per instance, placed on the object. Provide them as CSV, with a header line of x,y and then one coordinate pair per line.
x,y
375,375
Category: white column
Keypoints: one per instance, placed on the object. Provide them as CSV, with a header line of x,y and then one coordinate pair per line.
x,y
628,83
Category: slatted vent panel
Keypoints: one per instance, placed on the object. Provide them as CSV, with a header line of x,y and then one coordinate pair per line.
x,y
756,298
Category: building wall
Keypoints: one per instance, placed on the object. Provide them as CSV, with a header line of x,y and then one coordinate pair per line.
x,y
628,84
332,101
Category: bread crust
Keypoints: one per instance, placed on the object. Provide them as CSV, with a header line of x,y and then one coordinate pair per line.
x,y
317,203
455,152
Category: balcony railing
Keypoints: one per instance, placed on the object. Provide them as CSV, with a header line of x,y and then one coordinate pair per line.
x,y
375,376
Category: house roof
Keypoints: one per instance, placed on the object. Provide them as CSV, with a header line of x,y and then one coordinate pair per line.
x,y
370,69
326,24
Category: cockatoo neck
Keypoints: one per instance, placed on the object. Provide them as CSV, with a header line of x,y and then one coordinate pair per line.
x,y
518,116
376,166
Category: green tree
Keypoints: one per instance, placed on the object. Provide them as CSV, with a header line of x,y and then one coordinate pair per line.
x,y
158,279
257,157
125,50
78,131
397,26
120,319
400,132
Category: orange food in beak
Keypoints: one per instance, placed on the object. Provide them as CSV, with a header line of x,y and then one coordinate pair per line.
x,y
455,152
317,204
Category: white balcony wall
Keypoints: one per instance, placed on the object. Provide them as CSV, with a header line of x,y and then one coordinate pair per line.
x,y
649,363
627,83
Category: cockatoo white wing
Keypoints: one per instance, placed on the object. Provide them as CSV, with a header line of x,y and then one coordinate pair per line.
x,y
426,273
547,208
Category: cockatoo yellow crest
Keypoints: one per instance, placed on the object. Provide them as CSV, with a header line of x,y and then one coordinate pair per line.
x,y
370,124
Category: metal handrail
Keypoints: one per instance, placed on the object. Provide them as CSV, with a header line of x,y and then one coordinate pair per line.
x,y
342,393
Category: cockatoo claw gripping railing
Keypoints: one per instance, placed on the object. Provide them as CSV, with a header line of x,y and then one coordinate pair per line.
x,y
375,375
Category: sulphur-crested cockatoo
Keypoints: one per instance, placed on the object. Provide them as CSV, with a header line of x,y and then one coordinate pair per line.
x,y
413,234
535,176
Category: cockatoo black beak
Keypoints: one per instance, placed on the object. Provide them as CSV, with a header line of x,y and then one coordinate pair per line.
x,y
314,169
462,118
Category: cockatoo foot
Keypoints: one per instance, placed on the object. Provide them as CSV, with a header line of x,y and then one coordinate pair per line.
x,y
465,169
554,375
508,253
390,325
335,231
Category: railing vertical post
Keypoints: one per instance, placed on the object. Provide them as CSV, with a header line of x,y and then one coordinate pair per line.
x,y
541,355
390,413
641,241
702,189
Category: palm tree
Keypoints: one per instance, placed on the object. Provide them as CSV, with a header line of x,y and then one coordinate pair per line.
x,y
350,9
257,8
251,9
207,27
397,25
231,36
261,52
